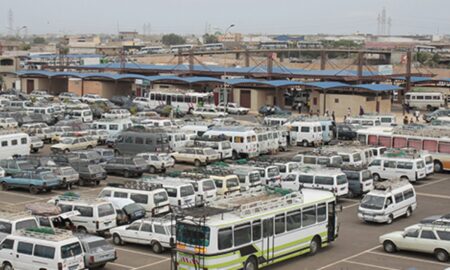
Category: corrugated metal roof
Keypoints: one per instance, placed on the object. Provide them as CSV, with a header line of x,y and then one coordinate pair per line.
x,y
377,87
326,85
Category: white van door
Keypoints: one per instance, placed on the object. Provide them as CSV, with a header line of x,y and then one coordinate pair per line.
x,y
389,169
24,256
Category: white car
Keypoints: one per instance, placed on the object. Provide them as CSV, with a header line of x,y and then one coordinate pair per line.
x,y
40,95
196,155
74,143
91,98
153,232
208,112
426,238
2,172
232,108
158,162
8,123
36,144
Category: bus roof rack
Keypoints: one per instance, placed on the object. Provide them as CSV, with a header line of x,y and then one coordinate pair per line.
x,y
389,185
46,233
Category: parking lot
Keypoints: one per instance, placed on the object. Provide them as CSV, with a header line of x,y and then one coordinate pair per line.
x,y
357,246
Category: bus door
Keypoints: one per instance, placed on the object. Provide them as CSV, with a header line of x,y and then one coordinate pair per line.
x,y
332,232
168,99
268,240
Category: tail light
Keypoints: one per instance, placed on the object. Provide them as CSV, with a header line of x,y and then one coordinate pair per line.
x,y
179,202
97,225
60,266
91,259
335,189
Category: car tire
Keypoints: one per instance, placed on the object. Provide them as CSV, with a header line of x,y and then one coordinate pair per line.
x,y
251,264
438,166
390,219
376,177
234,155
197,163
117,240
152,169
66,151
408,212
7,266
126,174
89,147
4,186
82,230
34,190
157,248
441,255
305,143
97,182
314,246
404,178
389,246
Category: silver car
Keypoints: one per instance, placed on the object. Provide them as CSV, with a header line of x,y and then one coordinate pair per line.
x,y
97,252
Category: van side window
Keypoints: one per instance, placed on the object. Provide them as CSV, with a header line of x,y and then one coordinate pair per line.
x,y
324,180
146,227
128,139
65,208
25,248
85,211
159,229
389,164
139,198
280,224
225,240
172,192
242,234
404,165
309,216
398,197
256,230
44,252
409,194
307,179
444,235
304,129
118,194
293,220
376,162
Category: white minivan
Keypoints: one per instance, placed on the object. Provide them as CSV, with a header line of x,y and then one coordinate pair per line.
x,y
411,169
333,180
389,200
154,199
181,193
35,248
96,215
305,133
205,189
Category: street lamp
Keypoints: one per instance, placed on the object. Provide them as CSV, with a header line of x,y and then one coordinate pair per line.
x,y
225,91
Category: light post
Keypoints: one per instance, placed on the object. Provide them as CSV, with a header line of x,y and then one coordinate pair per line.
x,y
225,91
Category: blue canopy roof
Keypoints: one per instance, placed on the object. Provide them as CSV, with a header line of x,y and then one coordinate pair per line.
x,y
190,80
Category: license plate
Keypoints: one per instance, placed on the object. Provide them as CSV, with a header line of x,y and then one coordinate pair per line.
x,y
73,267
98,175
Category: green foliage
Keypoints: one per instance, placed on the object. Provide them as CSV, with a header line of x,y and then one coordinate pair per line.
x,y
39,40
133,110
173,39
341,44
427,59
25,47
208,39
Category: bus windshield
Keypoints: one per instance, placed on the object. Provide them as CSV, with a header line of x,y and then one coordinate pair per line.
x,y
192,235
272,172
373,202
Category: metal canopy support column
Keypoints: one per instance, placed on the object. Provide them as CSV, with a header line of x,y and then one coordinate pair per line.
x,y
180,58
191,61
408,79
270,64
247,58
360,66
323,60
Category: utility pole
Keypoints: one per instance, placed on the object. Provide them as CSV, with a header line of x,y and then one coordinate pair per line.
x,y
407,77
225,91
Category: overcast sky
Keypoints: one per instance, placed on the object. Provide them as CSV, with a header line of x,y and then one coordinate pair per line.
x,y
250,16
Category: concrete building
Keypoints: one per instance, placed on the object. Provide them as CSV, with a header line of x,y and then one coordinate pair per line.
x,y
8,68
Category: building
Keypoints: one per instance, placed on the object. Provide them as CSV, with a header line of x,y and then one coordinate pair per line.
x,y
83,44
9,65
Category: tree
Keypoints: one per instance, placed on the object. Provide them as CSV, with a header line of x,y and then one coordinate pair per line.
x,y
173,39
208,39
25,47
39,40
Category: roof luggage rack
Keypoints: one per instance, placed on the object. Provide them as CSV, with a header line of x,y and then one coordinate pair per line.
x,y
389,185
46,233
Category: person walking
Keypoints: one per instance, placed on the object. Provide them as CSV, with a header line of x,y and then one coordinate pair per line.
x,y
417,114
361,111
333,116
405,120
299,107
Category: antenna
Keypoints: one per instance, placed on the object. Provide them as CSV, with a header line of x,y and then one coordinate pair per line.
x,y
389,26
11,22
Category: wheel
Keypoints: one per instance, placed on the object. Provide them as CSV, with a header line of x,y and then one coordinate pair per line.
x,y
376,177
126,174
157,248
350,194
314,245
4,186
89,147
82,229
66,151
389,247
305,143
197,163
429,108
390,219
404,178
34,190
441,255
408,212
34,150
152,169
251,264
97,183
234,155
437,166
7,266
117,240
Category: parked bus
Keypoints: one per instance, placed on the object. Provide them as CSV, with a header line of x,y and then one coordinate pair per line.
x,y
273,45
152,50
212,47
134,141
243,140
425,100
434,141
184,101
181,48
269,227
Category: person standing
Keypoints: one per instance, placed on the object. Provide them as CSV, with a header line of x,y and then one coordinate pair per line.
x,y
333,116
299,107
417,114
361,111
